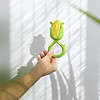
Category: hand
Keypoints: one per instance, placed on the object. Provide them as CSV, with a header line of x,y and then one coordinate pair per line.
x,y
46,63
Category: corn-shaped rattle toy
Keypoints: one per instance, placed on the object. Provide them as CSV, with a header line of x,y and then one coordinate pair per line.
x,y
56,33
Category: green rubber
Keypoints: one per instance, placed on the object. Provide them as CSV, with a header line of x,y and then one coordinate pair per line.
x,y
56,40
62,46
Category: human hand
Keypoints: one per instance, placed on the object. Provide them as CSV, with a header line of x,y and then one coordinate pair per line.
x,y
46,63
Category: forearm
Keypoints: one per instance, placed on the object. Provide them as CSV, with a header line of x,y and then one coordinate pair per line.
x,y
16,88
4,95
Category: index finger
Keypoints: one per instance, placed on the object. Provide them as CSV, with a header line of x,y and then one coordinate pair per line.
x,y
45,52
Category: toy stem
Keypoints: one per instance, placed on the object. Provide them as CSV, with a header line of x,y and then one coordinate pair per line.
x,y
62,46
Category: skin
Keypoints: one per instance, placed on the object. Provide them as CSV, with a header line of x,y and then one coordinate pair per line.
x,y
15,88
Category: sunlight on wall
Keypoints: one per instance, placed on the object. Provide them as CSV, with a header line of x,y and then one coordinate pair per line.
x,y
29,34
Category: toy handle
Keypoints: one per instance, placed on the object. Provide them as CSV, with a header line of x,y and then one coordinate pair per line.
x,y
62,46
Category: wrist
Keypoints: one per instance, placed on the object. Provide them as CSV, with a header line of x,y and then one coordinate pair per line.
x,y
31,77
36,71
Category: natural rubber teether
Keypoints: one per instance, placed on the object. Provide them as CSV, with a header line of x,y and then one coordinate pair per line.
x,y
56,33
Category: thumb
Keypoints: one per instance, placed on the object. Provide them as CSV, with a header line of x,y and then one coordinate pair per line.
x,y
53,61
50,53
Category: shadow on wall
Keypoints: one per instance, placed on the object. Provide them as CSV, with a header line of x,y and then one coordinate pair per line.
x,y
36,47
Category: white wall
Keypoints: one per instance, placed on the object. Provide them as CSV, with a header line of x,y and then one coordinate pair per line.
x,y
30,22
92,80
91,73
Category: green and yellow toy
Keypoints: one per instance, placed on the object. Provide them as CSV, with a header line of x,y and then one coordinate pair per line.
x,y
56,33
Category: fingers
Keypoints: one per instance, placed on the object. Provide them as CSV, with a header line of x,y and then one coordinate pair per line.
x,y
39,58
42,54
53,60
50,53
45,52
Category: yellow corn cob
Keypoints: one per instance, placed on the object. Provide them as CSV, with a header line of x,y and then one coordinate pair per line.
x,y
56,28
